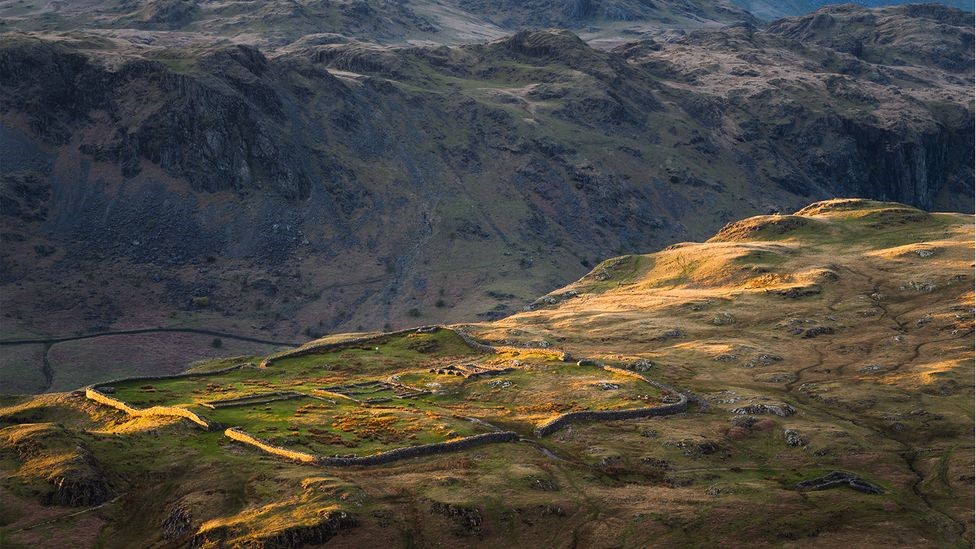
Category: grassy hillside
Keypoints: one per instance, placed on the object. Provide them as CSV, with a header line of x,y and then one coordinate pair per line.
x,y
333,184
838,338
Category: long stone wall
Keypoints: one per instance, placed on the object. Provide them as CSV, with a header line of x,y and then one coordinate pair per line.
x,y
92,393
568,418
257,398
375,459
424,450
563,420
314,348
474,344
291,455
397,454
171,376
157,411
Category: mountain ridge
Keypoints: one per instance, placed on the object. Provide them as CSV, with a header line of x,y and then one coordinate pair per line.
x,y
531,155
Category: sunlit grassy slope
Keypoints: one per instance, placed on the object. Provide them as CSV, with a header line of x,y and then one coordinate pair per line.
x,y
858,315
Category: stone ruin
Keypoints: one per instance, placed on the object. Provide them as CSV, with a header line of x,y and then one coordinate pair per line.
x,y
468,371
360,391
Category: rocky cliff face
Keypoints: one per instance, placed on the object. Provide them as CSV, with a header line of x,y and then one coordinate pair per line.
x,y
336,184
195,130
918,34
843,116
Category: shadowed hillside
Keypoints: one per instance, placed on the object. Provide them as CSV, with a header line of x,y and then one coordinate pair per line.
x,y
337,184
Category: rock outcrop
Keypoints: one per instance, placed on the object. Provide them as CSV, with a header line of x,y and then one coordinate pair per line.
x,y
58,464
837,479
293,536
780,409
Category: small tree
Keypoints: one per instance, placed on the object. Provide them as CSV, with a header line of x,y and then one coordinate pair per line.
x,y
217,343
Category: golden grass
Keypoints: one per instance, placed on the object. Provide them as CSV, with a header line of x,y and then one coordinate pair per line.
x,y
887,394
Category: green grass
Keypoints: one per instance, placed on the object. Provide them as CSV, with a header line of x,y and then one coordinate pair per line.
x,y
762,258
325,424
619,270
304,373
344,428
20,369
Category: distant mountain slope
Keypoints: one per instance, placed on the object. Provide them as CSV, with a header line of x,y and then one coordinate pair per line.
x,y
337,184
917,34
607,21
775,9
277,22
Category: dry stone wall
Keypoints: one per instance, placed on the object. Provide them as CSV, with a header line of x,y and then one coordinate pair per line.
x,y
563,420
92,393
389,456
291,455
474,344
157,411
313,348
258,398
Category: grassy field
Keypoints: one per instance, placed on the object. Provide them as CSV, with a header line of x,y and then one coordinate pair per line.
x,y
78,363
363,399
22,369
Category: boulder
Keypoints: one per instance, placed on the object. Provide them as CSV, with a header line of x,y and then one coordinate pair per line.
x,y
793,438
838,479
780,409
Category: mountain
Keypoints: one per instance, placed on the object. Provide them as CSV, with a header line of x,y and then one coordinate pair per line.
x,y
770,10
279,22
275,23
335,184
802,379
